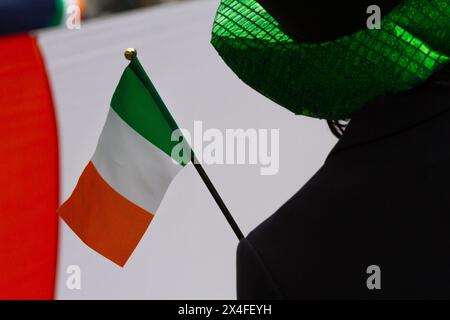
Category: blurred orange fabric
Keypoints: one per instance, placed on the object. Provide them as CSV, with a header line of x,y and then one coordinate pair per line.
x,y
29,173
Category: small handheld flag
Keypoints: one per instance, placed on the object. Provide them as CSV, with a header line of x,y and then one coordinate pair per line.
x,y
123,185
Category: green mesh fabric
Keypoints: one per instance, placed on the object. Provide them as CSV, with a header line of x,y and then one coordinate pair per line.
x,y
332,80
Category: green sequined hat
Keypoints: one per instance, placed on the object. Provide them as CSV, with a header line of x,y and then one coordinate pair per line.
x,y
332,80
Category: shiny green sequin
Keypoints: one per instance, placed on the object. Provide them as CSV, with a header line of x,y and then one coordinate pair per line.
x,y
334,79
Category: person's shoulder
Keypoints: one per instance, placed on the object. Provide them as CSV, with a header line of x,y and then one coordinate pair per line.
x,y
272,256
254,279
305,208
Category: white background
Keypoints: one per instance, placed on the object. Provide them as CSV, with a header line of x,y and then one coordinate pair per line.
x,y
189,250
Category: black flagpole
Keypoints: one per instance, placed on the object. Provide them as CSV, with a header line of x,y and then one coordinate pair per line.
x,y
217,197
131,54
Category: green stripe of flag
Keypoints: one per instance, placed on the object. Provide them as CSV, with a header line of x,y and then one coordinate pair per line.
x,y
138,103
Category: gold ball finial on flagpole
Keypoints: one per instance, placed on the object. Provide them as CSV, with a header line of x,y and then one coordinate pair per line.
x,y
131,53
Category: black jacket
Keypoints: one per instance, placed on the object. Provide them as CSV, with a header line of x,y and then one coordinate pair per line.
x,y
381,198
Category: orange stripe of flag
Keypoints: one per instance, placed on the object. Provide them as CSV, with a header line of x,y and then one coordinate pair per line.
x,y
103,219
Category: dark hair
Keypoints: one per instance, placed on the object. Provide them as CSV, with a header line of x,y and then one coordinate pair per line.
x,y
337,127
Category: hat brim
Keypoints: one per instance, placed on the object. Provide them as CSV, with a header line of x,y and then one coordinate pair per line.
x,y
332,80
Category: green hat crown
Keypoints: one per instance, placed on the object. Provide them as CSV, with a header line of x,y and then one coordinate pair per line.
x,y
334,79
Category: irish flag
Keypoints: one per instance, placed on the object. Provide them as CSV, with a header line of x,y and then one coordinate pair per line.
x,y
123,185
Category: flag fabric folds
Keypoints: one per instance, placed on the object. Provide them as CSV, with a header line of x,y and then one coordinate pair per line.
x,y
123,185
